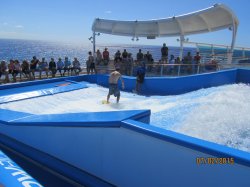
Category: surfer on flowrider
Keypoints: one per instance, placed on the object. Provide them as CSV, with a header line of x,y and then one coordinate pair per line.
x,y
113,85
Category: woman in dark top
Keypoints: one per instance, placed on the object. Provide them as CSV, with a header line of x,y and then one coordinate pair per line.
x,y
52,67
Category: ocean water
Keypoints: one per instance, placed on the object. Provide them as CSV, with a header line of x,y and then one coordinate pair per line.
x,y
217,114
26,49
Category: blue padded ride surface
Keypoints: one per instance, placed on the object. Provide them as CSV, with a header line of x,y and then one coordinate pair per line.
x,y
20,93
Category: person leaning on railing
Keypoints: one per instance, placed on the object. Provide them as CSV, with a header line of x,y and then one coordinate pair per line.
x,y
15,69
105,56
60,66
4,70
11,67
148,58
67,66
139,56
187,61
25,66
76,66
33,66
124,62
117,56
43,66
117,64
164,53
124,54
140,75
158,66
129,64
91,61
52,67
212,65
197,61
98,57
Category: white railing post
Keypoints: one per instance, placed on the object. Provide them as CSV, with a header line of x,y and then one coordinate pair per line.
x,y
181,46
198,68
243,53
179,69
161,70
94,43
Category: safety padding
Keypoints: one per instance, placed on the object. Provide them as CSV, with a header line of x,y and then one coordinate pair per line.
x,y
39,90
90,119
13,175
9,115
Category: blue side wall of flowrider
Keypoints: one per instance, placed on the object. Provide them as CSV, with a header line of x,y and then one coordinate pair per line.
x,y
121,148
175,85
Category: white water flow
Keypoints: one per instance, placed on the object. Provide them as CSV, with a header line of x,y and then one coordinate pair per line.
x,y
217,114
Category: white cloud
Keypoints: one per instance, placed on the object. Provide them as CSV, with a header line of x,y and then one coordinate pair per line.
x,y
5,23
19,26
108,12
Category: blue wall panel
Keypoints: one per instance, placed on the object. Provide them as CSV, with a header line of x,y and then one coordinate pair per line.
x,y
180,85
173,85
243,76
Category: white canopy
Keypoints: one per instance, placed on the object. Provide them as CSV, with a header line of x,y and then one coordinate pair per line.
x,y
210,19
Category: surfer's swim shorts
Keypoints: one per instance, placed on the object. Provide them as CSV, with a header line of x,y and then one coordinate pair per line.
x,y
113,89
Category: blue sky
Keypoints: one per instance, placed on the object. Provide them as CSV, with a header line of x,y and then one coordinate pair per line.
x,y
71,20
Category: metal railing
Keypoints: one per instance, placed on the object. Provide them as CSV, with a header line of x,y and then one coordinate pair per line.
x,y
232,66
171,70
152,70
177,69
220,52
159,69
